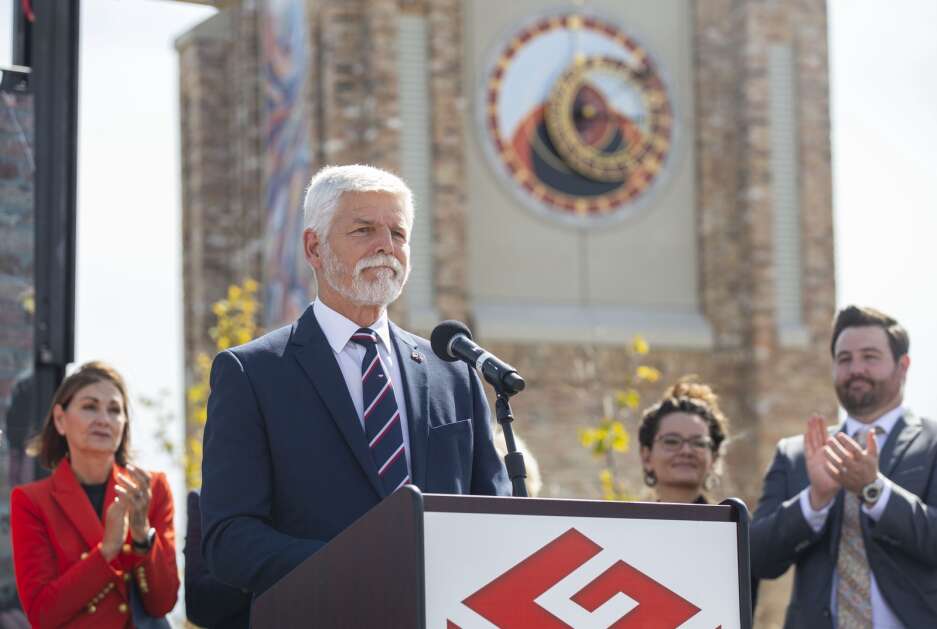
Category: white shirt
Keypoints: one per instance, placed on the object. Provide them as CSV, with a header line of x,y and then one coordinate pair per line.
x,y
338,330
882,615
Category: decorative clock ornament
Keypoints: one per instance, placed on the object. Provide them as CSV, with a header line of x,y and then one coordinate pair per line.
x,y
577,119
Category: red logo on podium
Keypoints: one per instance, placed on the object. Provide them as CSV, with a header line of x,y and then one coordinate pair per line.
x,y
509,601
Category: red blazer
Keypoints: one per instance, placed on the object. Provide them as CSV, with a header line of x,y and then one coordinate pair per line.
x,y
61,576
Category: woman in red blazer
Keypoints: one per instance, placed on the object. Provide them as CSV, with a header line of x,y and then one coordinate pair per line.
x,y
93,545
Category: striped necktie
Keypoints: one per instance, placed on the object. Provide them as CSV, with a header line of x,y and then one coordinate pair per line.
x,y
853,589
381,415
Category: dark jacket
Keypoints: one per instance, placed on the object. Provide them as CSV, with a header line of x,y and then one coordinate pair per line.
x,y
209,603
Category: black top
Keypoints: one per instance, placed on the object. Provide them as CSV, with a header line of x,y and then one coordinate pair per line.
x,y
96,496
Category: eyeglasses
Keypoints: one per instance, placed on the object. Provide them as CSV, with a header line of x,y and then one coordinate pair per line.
x,y
673,443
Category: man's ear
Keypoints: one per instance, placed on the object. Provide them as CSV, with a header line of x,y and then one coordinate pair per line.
x,y
904,362
311,248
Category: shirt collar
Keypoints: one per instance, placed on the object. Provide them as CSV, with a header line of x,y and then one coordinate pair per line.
x,y
338,328
886,422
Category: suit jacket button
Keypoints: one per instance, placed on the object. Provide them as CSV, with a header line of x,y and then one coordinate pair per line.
x,y
126,549
122,608
84,555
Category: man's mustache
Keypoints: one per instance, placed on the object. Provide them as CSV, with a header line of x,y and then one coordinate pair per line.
x,y
380,259
868,381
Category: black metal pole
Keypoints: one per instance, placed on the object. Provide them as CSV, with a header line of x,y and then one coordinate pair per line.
x,y
54,82
513,460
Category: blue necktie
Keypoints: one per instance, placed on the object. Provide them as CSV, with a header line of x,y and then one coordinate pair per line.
x,y
381,415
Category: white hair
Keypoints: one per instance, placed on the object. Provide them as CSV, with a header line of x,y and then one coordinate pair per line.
x,y
329,184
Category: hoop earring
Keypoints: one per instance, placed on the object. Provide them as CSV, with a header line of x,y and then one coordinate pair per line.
x,y
650,478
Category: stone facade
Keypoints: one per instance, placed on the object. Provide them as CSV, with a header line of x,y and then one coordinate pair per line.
x,y
768,386
16,240
21,419
221,167
17,237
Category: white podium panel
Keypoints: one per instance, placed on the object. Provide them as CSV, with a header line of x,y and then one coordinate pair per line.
x,y
486,571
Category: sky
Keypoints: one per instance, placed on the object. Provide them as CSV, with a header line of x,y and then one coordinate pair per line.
x,y
883,82
883,74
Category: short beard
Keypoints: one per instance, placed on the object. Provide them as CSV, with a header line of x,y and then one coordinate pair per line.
x,y
879,394
382,291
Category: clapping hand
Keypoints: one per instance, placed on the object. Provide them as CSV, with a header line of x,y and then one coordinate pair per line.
x,y
115,527
850,465
135,489
823,483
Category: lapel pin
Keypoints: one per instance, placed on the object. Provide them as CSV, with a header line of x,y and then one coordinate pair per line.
x,y
416,356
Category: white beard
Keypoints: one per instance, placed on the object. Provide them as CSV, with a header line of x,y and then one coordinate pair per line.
x,y
381,291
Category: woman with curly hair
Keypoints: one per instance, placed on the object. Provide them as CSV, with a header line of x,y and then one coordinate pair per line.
x,y
681,437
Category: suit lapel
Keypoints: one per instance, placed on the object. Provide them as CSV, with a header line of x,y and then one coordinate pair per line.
x,y
902,435
75,505
416,390
316,358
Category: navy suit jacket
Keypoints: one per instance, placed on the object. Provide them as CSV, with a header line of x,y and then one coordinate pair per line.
x,y
286,466
901,546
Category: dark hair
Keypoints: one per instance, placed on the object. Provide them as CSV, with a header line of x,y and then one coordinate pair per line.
x,y
49,446
863,316
686,396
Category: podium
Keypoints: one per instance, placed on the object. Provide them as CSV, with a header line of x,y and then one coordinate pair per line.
x,y
460,562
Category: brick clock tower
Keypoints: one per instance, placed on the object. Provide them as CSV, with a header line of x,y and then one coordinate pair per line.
x,y
582,172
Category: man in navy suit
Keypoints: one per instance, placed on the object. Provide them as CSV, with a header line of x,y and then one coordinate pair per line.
x,y
854,508
313,424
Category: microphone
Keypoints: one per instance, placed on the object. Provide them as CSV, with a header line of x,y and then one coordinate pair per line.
x,y
452,341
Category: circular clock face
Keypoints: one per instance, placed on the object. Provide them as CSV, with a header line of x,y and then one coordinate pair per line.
x,y
577,118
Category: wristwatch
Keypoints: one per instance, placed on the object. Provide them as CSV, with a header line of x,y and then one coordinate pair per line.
x,y
146,544
873,490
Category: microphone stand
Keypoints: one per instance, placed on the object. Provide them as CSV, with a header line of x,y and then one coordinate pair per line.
x,y
513,460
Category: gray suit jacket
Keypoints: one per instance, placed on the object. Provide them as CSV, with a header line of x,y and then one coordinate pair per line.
x,y
901,546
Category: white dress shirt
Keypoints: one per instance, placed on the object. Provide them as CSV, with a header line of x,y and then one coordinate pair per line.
x,y
338,330
882,615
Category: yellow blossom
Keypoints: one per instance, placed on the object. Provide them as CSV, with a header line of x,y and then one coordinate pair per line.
x,y
235,324
620,437
639,345
648,374
628,399
587,437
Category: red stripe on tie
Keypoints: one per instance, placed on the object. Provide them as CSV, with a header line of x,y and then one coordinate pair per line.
x,y
391,461
380,396
384,430
363,337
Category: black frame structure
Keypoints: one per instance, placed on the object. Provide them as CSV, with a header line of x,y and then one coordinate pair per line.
x,y
51,43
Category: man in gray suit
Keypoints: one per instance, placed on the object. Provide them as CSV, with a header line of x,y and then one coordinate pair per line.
x,y
854,508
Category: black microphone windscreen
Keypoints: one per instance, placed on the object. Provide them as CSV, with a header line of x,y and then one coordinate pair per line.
x,y
445,332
